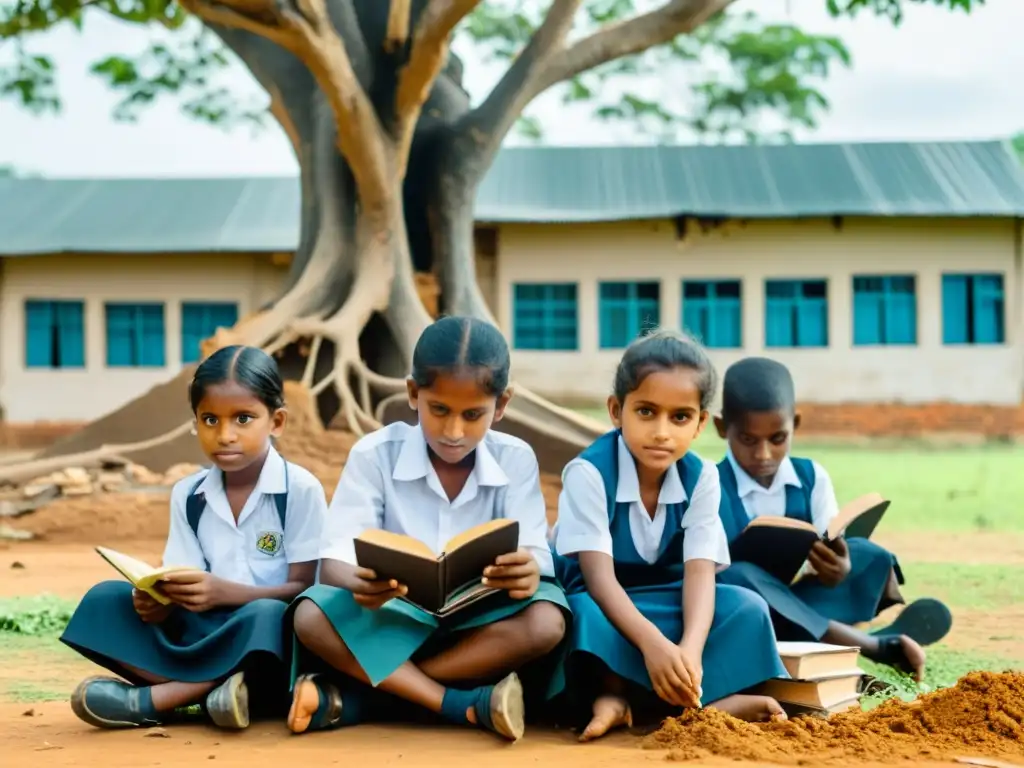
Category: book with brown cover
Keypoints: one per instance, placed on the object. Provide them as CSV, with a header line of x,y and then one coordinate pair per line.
x,y
444,583
780,545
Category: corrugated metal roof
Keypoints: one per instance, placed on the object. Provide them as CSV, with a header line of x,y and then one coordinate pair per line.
x,y
534,184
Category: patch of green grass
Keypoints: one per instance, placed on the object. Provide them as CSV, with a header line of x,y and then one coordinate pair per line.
x,y
40,616
31,693
959,585
945,667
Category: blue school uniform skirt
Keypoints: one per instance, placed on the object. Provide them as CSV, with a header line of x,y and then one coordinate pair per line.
x,y
807,606
739,652
188,647
382,640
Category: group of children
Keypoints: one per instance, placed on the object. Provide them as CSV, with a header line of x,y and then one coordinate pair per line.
x,y
628,606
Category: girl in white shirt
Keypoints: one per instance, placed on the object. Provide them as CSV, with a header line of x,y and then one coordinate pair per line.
x,y
639,538
248,531
433,481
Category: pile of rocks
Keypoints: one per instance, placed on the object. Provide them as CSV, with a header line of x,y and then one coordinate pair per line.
x,y
80,481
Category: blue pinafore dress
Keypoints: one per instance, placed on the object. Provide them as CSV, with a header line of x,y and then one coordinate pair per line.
x,y
188,647
803,611
740,650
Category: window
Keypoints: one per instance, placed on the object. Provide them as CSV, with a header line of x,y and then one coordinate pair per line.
x,y
626,310
135,335
884,310
54,334
796,313
544,316
711,312
972,309
200,321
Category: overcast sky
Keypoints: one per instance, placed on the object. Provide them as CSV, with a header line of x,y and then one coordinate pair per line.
x,y
942,75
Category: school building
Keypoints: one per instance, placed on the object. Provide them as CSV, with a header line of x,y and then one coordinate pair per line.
x,y
888,276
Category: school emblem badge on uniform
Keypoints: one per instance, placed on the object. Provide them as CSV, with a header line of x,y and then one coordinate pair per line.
x,y
269,543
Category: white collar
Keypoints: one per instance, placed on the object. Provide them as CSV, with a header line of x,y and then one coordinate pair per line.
x,y
414,464
745,484
628,490
271,480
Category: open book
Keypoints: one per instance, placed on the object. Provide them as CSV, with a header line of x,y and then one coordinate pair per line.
x,y
141,575
440,584
781,545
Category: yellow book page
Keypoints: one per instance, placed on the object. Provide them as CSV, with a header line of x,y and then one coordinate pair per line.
x,y
476,532
398,542
140,574
851,511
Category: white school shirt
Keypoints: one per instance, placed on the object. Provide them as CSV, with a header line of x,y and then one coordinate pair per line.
x,y
758,500
256,551
583,524
389,483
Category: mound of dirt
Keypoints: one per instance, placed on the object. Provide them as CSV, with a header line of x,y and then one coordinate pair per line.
x,y
105,518
981,716
159,410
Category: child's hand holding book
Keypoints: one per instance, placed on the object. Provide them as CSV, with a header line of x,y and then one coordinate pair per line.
x,y
830,561
371,592
516,572
149,610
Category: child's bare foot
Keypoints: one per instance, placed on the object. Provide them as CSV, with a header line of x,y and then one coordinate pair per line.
x,y
901,652
609,712
753,709
915,656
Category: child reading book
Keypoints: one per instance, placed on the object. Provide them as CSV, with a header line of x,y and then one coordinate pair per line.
x,y
638,538
207,628
446,475
849,580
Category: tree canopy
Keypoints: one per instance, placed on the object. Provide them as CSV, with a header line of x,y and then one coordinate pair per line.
x,y
735,77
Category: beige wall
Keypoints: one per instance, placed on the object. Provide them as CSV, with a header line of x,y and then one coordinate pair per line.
x,y
927,372
69,395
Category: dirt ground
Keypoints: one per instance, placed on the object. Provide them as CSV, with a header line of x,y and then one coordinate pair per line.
x,y
44,734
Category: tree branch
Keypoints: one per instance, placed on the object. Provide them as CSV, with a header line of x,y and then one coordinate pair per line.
x,y
499,111
427,57
626,38
546,60
305,29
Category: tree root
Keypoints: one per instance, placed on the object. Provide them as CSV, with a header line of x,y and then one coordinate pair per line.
x,y
28,470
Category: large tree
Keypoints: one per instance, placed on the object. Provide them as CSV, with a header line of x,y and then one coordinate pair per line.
x,y
392,149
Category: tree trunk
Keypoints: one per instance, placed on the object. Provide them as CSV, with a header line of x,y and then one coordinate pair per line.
x,y
349,313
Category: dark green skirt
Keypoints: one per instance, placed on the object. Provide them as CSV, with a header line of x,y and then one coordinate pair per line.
x,y
382,640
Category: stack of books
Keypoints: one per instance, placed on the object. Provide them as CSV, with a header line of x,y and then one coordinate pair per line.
x,y
825,679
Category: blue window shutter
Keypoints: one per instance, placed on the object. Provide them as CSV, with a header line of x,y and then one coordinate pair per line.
x,y
867,317
120,321
954,309
695,319
544,316
70,316
988,309
151,336
725,323
901,318
39,323
199,321
778,323
812,323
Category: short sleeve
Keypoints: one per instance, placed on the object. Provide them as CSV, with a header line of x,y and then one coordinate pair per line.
x,y
357,506
582,511
824,506
183,547
524,502
705,535
304,521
